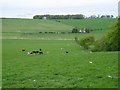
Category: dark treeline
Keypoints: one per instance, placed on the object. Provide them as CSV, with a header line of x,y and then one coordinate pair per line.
x,y
77,16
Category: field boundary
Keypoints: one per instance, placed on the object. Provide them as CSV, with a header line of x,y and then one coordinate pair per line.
x,y
16,38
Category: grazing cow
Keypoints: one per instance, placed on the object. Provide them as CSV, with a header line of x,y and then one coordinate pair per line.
x,y
66,51
23,50
28,53
31,52
35,52
40,52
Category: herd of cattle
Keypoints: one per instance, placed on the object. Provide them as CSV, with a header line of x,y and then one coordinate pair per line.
x,y
34,52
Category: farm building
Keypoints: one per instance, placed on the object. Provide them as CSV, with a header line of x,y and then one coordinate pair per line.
x,y
84,30
44,18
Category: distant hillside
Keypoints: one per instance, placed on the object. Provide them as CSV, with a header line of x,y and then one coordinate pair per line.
x,y
22,26
36,25
95,24
32,25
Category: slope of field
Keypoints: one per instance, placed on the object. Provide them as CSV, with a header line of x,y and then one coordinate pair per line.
x,y
33,25
95,24
16,28
56,68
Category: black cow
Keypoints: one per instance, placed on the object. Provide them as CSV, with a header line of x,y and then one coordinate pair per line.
x,y
67,52
23,50
40,52
35,52
31,52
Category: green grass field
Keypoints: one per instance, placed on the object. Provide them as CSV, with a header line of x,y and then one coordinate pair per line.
x,y
94,24
55,68
15,28
28,25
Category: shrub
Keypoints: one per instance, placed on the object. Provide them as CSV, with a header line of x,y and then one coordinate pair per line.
x,y
87,41
77,40
75,30
100,45
110,41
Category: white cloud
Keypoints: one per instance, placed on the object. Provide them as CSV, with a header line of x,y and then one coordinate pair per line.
x,y
52,3
30,7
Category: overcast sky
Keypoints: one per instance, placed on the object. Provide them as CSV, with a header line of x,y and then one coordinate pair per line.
x,y
29,8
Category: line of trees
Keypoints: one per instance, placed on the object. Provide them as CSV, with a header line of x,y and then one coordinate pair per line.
x,y
102,16
77,16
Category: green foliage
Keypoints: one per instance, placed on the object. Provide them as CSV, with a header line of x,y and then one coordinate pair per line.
x,y
110,41
75,30
86,41
100,45
77,40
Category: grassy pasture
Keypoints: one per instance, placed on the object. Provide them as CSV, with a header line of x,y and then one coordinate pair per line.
x,y
28,25
55,68
14,28
38,36
98,23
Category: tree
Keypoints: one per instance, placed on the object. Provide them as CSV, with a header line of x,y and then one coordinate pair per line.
x,y
87,41
110,42
75,30
77,40
76,16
